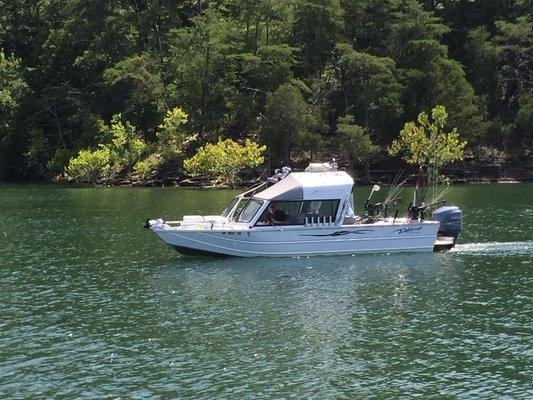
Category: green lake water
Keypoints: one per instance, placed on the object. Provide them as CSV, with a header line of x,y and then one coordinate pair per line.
x,y
93,306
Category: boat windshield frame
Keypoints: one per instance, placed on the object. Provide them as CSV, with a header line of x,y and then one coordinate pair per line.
x,y
250,201
231,206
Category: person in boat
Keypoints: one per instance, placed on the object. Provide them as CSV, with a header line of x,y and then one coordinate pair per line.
x,y
274,215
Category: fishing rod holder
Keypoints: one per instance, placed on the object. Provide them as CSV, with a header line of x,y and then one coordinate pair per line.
x,y
417,212
374,209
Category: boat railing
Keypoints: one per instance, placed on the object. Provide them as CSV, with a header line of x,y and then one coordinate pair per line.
x,y
319,221
196,225
173,222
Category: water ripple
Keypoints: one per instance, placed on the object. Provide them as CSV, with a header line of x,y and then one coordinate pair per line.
x,y
92,306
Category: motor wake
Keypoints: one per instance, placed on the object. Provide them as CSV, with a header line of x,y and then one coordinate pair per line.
x,y
494,248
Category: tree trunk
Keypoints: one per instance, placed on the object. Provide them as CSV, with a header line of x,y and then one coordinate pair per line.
x,y
205,88
266,27
367,171
159,44
256,38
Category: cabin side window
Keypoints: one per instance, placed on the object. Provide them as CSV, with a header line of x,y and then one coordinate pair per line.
x,y
296,212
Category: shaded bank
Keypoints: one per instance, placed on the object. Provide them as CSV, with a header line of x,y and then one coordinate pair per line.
x,y
467,172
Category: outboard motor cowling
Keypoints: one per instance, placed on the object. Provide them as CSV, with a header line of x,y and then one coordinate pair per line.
x,y
451,221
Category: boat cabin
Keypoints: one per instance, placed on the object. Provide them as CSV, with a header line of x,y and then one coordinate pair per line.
x,y
303,198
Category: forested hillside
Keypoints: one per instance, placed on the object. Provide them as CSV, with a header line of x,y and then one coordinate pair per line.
x,y
142,84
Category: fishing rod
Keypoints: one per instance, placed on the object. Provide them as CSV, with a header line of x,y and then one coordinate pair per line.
x,y
392,198
369,207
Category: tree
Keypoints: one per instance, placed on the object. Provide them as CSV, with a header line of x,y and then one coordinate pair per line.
x,y
138,82
371,88
283,70
224,160
13,88
355,142
366,24
314,31
171,138
286,119
198,63
524,124
514,44
428,143
253,75
481,61
450,88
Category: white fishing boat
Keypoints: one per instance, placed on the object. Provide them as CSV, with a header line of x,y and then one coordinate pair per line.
x,y
305,214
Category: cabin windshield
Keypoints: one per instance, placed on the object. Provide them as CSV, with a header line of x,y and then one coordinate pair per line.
x,y
230,206
248,211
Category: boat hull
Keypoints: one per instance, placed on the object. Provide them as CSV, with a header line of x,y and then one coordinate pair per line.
x,y
301,241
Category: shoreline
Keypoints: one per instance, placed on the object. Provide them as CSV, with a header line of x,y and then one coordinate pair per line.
x,y
204,185
464,173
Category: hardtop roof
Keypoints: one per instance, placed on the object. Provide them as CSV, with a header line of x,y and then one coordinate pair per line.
x,y
309,186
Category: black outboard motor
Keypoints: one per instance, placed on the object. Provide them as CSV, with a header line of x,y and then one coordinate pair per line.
x,y
451,221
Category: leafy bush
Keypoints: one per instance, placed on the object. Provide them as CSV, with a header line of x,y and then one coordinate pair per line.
x,y
144,168
126,147
56,165
170,138
90,166
122,148
225,159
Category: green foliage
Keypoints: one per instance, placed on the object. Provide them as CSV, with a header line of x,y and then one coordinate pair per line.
x,y
287,122
451,89
13,88
147,167
90,166
427,142
225,159
121,149
198,62
170,135
370,86
59,161
37,151
354,141
481,59
140,80
285,70
515,46
521,135
124,144
314,32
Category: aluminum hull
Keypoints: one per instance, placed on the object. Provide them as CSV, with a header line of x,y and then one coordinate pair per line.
x,y
303,241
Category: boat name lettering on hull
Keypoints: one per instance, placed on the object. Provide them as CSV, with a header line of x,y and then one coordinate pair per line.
x,y
410,229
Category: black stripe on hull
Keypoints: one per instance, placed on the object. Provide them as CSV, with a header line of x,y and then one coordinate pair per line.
x,y
187,251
